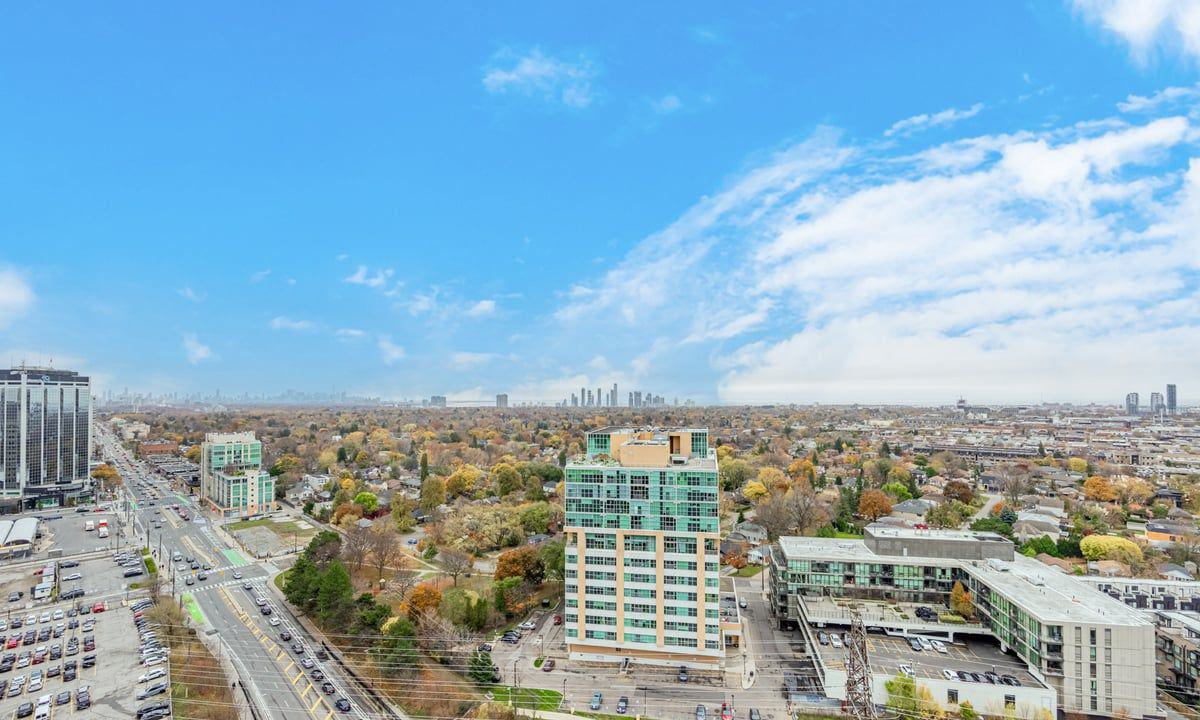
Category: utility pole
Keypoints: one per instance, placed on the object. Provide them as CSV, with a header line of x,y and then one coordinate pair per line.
x,y
861,706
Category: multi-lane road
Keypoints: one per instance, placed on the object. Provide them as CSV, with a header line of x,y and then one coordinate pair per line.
x,y
272,674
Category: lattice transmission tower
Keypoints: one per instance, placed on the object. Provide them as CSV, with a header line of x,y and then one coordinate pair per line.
x,y
858,672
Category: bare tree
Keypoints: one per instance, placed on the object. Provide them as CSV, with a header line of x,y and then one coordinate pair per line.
x,y
798,509
1014,482
355,546
384,547
455,563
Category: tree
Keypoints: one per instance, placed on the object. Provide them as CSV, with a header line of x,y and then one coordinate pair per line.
x,y
334,596
995,525
554,558
958,490
1043,544
961,601
1110,547
302,582
463,481
753,490
735,473
798,509
1131,489
1008,515
505,478
382,543
480,667
323,548
874,504
1099,489
966,711
944,516
369,615
355,546
433,492
402,514
1077,465
455,563
107,475
367,501
772,477
902,696
898,491
396,651
424,467
1014,482
521,562
424,598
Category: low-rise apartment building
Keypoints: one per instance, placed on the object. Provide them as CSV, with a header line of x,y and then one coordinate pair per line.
x,y
1094,652
232,481
1178,653
642,555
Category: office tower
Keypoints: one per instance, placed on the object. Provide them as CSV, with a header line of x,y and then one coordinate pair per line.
x,y
232,481
616,397
502,400
582,397
437,401
643,548
45,436
1172,399
637,398
574,400
1131,404
589,398
1156,403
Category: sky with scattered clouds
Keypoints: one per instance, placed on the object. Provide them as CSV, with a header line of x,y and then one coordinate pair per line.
x,y
847,202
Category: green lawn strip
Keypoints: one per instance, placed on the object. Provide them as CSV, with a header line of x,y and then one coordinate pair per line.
x,y
245,524
529,698
844,536
193,609
280,579
749,571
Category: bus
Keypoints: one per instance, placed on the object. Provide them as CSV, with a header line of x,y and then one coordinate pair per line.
x,y
102,529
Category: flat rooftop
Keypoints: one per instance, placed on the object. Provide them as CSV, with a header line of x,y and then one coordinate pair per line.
x,y
1055,596
694,463
609,429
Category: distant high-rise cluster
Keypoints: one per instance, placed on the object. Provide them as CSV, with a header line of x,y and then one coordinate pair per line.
x,y
502,400
612,398
1158,403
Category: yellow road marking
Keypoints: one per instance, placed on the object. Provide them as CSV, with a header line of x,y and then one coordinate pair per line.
x,y
328,715
297,678
290,665
315,704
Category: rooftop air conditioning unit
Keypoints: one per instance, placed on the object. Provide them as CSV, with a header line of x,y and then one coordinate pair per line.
x,y
678,459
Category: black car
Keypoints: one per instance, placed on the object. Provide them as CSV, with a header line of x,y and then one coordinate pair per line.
x,y
298,648
328,688
68,674
69,564
63,698
342,704
25,710
152,707
89,661
285,636
83,701
318,675
265,609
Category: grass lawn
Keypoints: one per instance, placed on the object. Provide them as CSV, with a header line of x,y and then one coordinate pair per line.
x,y
529,698
193,609
281,578
845,536
246,524
749,571
537,662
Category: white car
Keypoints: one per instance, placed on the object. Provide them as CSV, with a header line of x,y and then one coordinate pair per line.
x,y
152,675
906,669
237,574
59,615
72,576
528,625
949,674
835,640
940,646
274,622
925,644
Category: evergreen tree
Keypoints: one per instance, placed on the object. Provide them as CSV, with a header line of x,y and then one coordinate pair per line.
x,y
424,466
480,668
396,652
300,586
334,597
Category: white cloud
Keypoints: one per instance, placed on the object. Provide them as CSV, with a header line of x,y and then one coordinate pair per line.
x,y
667,104
470,360
1166,96
364,276
924,121
16,295
350,333
187,293
1148,26
285,323
483,308
390,352
342,257
1006,268
536,74
196,351
260,275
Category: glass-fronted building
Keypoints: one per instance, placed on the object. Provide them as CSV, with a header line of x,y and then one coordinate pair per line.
x,y
643,544
45,436
232,480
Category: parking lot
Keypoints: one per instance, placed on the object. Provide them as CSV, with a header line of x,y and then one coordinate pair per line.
x,y
888,654
111,683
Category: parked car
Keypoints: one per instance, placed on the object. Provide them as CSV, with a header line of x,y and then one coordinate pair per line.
x,y
548,665
597,699
622,705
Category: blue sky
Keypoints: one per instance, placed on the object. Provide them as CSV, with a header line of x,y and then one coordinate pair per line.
x,y
843,202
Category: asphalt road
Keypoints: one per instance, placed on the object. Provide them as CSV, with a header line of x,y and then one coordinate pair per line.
x,y
273,684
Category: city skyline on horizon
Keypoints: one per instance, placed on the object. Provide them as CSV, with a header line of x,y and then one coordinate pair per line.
x,y
703,211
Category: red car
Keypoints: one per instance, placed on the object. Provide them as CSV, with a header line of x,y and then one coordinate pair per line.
x,y
726,712
558,619
13,642
98,607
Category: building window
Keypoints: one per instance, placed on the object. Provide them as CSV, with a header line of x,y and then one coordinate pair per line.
x,y
1010,702
1108,637
1092,636
952,696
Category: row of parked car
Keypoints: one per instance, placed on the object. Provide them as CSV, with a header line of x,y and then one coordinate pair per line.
x,y
153,655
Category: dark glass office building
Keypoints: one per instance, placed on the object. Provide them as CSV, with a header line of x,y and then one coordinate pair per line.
x,y
45,436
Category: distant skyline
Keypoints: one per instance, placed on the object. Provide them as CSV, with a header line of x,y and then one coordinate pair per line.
x,y
844,203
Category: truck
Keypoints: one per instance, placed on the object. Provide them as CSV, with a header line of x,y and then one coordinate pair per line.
x,y
102,529
89,525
